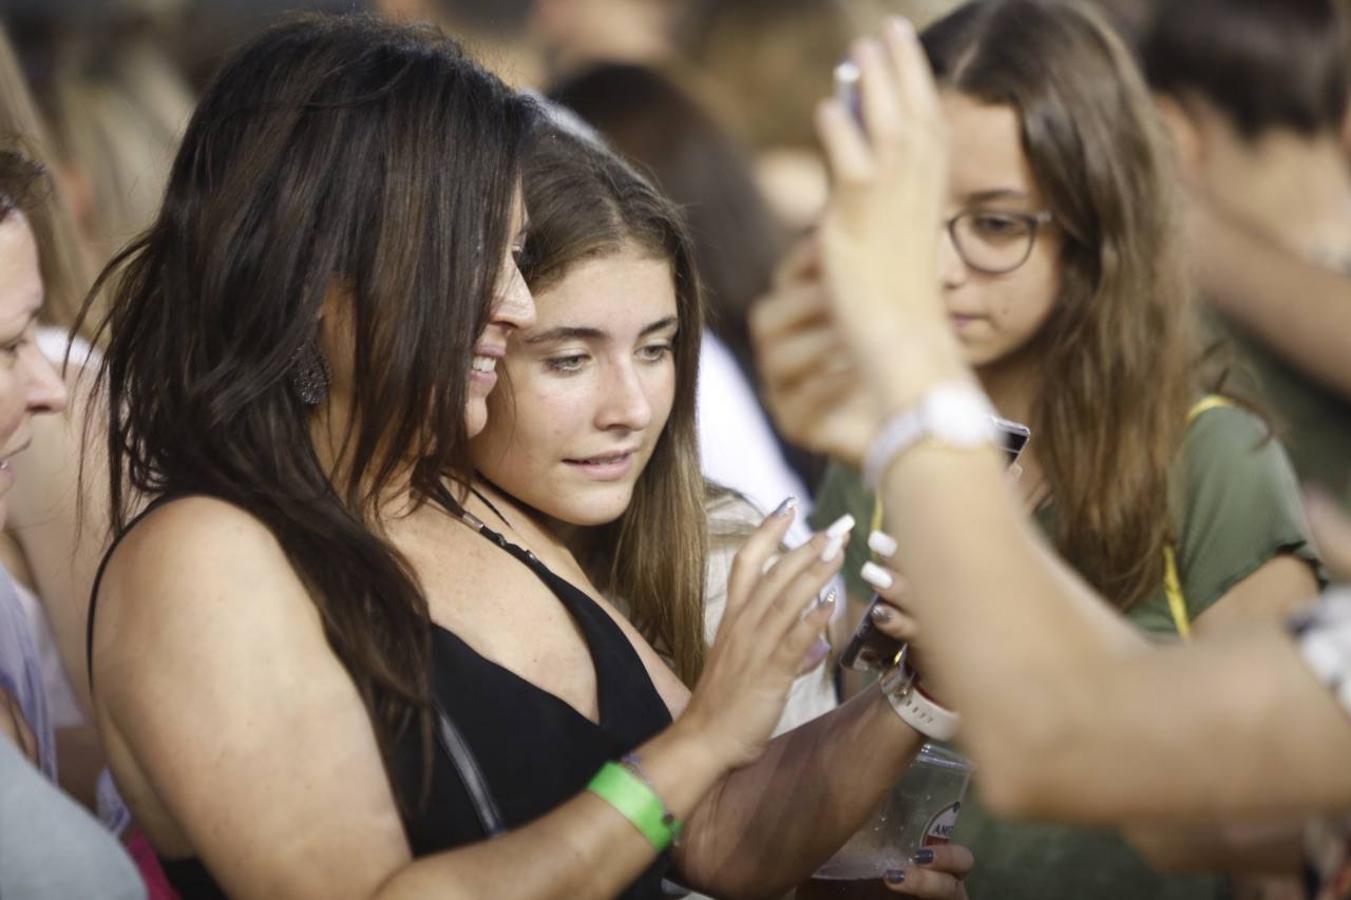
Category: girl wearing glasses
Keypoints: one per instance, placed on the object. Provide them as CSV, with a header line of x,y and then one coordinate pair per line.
x,y
1063,278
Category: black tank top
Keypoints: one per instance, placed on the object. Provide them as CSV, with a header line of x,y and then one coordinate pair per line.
x,y
535,750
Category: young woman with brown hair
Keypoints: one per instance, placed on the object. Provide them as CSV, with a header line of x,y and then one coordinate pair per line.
x,y
1061,268
590,453
1071,713
604,245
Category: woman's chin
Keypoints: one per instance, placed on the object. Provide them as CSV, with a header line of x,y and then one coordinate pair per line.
x,y
475,416
589,512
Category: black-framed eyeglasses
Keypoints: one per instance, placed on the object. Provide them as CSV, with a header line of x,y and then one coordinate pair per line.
x,y
995,242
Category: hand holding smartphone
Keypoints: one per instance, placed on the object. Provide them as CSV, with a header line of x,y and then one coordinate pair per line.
x,y
871,650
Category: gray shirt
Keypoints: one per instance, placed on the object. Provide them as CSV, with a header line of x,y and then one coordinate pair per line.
x,y
50,848
21,672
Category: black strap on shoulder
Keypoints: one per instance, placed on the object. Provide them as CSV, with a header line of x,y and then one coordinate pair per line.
x,y
447,734
98,577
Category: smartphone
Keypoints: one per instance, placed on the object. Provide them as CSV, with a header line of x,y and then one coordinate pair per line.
x,y
1013,437
869,650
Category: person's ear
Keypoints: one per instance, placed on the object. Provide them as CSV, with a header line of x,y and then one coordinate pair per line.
x,y
1186,136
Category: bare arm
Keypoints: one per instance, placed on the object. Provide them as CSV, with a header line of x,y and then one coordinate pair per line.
x,y
770,825
1281,586
1067,711
1105,729
1301,312
241,738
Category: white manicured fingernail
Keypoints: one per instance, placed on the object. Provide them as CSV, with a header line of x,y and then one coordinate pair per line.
x,y
769,564
788,505
832,548
841,526
882,544
875,575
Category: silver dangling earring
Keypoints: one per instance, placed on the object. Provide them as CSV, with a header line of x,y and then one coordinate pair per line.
x,y
309,375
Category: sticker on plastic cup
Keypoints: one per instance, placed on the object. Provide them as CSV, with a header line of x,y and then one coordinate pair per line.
x,y
939,829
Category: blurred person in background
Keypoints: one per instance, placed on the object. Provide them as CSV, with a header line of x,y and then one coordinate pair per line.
x,y
50,849
1065,287
115,105
651,121
29,388
762,65
1068,711
51,544
574,34
495,32
1255,97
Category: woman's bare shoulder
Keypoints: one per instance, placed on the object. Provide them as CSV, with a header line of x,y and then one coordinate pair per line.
x,y
198,529
198,565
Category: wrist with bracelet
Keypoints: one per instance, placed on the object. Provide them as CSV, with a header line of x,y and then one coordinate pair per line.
x,y
954,414
625,786
904,690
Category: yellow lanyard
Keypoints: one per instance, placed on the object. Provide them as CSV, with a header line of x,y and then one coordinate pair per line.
x,y
1172,584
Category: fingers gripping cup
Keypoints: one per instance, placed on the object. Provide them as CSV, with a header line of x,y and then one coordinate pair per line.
x,y
920,811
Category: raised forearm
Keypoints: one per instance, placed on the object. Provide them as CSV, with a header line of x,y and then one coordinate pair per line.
x,y
1301,312
1067,711
769,825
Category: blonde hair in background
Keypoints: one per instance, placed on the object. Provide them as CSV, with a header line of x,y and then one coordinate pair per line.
x,y
118,109
66,269
764,64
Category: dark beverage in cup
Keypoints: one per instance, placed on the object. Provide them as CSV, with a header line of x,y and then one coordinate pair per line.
x,y
844,889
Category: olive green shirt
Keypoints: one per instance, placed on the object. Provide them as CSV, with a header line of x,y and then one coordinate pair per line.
x,y
1237,507
1314,421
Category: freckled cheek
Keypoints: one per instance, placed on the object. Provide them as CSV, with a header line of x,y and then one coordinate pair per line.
x,y
661,394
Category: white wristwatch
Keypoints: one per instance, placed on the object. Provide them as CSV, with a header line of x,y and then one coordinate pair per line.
x,y
954,413
916,709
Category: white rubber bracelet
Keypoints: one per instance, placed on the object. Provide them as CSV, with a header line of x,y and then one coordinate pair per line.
x,y
919,711
954,413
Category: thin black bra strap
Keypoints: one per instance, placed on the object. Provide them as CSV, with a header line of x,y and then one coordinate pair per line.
x,y
98,577
443,498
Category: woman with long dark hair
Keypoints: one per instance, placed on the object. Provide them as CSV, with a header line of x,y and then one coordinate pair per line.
x,y
323,662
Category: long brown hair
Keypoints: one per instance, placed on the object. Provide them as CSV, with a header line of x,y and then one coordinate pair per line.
x,y
1119,351
329,150
585,202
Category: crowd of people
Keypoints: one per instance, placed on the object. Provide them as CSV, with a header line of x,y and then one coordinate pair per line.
x,y
448,447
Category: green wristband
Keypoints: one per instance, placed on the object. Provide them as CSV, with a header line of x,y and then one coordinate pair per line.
x,y
637,802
